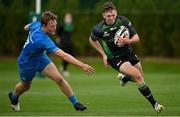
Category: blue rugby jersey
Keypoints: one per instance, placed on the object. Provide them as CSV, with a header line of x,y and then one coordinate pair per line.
x,y
36,46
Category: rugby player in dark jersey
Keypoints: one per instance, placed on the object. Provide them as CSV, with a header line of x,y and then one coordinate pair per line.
x,y
123,59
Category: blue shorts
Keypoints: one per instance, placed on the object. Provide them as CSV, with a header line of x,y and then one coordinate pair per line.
x,y
28,71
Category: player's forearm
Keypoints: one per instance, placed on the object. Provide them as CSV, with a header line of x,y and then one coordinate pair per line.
x,y
134,39
68,58
72,60
97,46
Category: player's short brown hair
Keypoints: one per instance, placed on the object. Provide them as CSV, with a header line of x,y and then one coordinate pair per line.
x,y
108,6
47,16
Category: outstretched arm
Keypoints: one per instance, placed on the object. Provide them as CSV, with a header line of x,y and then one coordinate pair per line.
x,y
70,59
98,47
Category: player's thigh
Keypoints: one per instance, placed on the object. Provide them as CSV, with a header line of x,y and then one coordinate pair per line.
x,y
52,72
130,70
139,67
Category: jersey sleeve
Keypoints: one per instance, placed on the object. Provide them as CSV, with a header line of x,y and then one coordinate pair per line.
x,y
128,24
48,45
34,25
95,34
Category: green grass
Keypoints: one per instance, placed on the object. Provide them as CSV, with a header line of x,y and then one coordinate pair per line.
x,y
100,92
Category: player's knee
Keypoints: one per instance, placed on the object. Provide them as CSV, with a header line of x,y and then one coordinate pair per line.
x,y
27,86
138,76
59,81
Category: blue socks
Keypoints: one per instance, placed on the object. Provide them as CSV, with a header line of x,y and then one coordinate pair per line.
x,y
14,97
73,99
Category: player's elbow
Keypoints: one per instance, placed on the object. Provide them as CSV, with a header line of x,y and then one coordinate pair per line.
x,y
64,56
26,27
136,38
91,41
60,54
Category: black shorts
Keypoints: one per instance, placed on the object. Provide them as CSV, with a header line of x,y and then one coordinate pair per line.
x,y
117,61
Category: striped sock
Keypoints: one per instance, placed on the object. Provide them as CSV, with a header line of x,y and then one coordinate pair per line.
x,y
146,92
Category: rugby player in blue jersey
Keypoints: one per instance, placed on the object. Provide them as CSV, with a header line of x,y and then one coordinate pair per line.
x,y
33,59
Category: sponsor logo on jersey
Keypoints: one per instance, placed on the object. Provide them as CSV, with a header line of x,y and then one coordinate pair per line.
x,y
113,28
119,63
106,34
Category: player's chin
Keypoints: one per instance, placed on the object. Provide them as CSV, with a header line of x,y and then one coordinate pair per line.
x,y
52,33
111,22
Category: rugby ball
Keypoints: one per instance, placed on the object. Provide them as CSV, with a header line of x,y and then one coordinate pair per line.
x,y
122,32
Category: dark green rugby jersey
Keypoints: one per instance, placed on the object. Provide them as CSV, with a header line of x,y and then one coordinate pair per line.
x,y
105,35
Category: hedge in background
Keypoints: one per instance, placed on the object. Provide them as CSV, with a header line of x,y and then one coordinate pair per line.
x,y
157,23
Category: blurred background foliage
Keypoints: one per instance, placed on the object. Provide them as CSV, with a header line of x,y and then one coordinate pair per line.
x,y
156,21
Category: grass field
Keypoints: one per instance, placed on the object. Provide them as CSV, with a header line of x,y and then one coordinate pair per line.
x,y
100,92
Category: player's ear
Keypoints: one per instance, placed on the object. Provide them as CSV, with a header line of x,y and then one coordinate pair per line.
x,y
116,12
44,25
103,15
